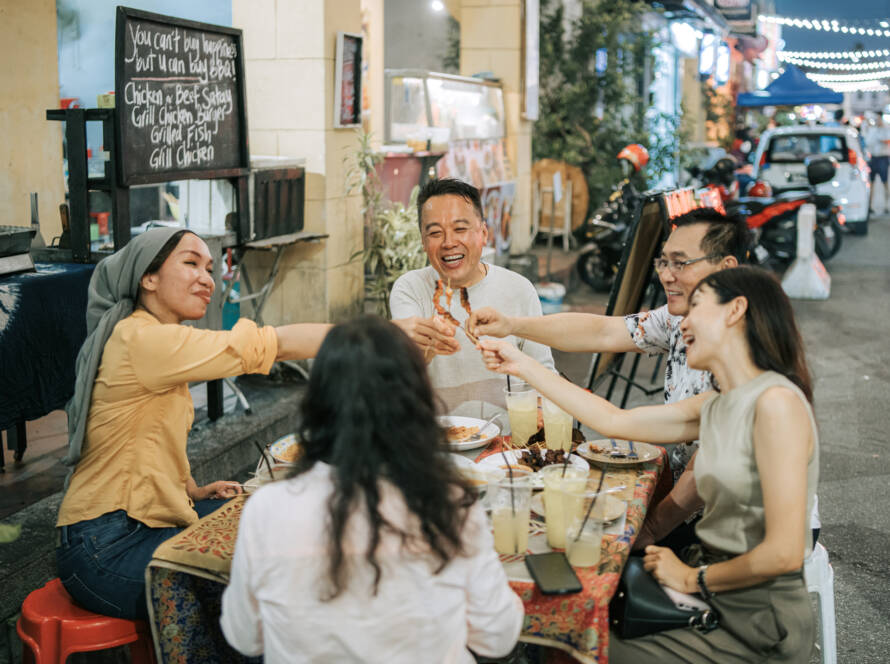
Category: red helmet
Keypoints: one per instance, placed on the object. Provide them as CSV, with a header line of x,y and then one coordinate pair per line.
x,y
636,154
760,189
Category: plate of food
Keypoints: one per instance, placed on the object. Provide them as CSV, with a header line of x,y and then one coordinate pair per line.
x,y
468,433
474,474
286,449
531,460
618,452
609,509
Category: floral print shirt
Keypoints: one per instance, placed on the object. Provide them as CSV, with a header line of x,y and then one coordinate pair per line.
x,y
657,331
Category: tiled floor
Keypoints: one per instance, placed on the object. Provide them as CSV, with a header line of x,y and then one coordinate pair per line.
x,y
40,473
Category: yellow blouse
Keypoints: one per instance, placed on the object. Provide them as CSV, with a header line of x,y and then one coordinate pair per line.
x,y
134,456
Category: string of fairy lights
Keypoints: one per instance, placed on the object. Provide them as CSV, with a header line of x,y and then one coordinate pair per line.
x,y
873,73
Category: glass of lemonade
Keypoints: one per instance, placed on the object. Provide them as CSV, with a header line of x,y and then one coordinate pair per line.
x,y
583,538
522,409
510,503
556,489
557,426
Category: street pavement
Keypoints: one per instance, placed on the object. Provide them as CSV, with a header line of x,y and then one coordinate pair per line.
x,y
848,357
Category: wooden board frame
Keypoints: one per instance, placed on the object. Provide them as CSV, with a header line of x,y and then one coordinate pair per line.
x,y
650,229
357,81
125,13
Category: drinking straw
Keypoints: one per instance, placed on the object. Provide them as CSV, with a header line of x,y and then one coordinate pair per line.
x,y
265,458
592,503
510,473
565,463
509,389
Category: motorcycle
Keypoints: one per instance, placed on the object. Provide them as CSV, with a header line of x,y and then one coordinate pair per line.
x,y
773,220
602,237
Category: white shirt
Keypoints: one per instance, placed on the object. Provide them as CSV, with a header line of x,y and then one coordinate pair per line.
x,y
272,604
875,140
461,379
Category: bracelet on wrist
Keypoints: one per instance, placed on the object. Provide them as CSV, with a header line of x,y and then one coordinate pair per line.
x,y
702,586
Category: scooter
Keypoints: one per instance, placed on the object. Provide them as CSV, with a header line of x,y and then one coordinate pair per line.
x,y
773,220
602,237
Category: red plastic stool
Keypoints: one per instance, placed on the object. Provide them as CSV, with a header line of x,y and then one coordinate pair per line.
x,y
52,627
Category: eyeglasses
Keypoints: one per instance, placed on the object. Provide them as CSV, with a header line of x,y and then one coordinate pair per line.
x,y
677,266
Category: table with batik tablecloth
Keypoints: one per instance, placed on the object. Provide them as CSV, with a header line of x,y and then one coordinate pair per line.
x,y
578,624
188,573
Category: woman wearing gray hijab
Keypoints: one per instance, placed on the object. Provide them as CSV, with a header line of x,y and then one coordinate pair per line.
x,y
131,487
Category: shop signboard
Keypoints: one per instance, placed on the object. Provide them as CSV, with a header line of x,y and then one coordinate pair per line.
x,y
348,83
179,89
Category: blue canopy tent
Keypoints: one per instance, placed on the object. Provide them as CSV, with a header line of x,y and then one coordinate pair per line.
x,y
792,88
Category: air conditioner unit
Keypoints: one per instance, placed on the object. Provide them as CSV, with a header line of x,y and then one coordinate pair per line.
x,y
277,192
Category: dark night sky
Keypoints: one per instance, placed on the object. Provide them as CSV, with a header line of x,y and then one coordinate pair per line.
x,y
849,11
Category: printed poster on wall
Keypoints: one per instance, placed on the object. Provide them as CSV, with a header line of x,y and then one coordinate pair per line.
x,y
348,82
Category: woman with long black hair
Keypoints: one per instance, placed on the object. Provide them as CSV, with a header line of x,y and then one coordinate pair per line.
x,y
374,550
755,474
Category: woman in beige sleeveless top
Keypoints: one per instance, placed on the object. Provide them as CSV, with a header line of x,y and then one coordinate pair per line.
x,y
755,474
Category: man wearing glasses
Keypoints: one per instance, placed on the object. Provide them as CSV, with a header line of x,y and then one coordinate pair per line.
x,y
703,241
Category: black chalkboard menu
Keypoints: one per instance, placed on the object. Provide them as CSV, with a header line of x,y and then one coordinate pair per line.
x,y
179,88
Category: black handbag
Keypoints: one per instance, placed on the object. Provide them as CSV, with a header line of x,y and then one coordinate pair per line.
x,y
640,606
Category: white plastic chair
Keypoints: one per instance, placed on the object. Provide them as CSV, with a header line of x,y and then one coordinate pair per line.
x,y
819,577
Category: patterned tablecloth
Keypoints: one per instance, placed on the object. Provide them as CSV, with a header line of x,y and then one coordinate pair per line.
x,y
579,624
188,574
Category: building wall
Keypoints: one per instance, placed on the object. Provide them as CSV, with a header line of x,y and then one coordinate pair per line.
x,y
484,47
417,35
31,149
289,60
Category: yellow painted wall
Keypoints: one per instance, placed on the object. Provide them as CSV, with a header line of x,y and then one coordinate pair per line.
x,y
289,66
31,147
491,40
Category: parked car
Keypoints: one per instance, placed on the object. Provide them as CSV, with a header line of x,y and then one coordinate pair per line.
x,y
779,161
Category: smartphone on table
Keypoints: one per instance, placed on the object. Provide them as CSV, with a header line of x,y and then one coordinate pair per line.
x,y
552,573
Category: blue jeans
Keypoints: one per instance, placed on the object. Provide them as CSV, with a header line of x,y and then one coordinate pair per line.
x,y
102,562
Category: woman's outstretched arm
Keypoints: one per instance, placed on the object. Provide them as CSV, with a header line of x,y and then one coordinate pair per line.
x,y
677,422
300,340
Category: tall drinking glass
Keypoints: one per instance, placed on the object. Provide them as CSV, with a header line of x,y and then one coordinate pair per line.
x,y
522,409
556,484
584,531
557,426
510,503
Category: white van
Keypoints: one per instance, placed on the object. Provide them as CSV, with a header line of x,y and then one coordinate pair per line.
x,y
779,160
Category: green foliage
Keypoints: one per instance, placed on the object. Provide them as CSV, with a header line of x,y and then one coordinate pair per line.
x,y
393,244
451,59
587,117
719,112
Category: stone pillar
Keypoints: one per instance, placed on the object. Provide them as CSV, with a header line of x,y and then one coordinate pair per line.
x,y
491,40
372,25
290,47
31,149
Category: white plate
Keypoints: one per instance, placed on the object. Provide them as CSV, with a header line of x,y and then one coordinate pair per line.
x,y
482,437
280,446
477,475
614,507
645,452
497,460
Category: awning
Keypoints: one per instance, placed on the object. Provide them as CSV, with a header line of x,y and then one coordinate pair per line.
x,y
792,88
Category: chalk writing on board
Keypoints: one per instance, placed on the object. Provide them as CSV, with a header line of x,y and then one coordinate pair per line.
x,y
179,94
